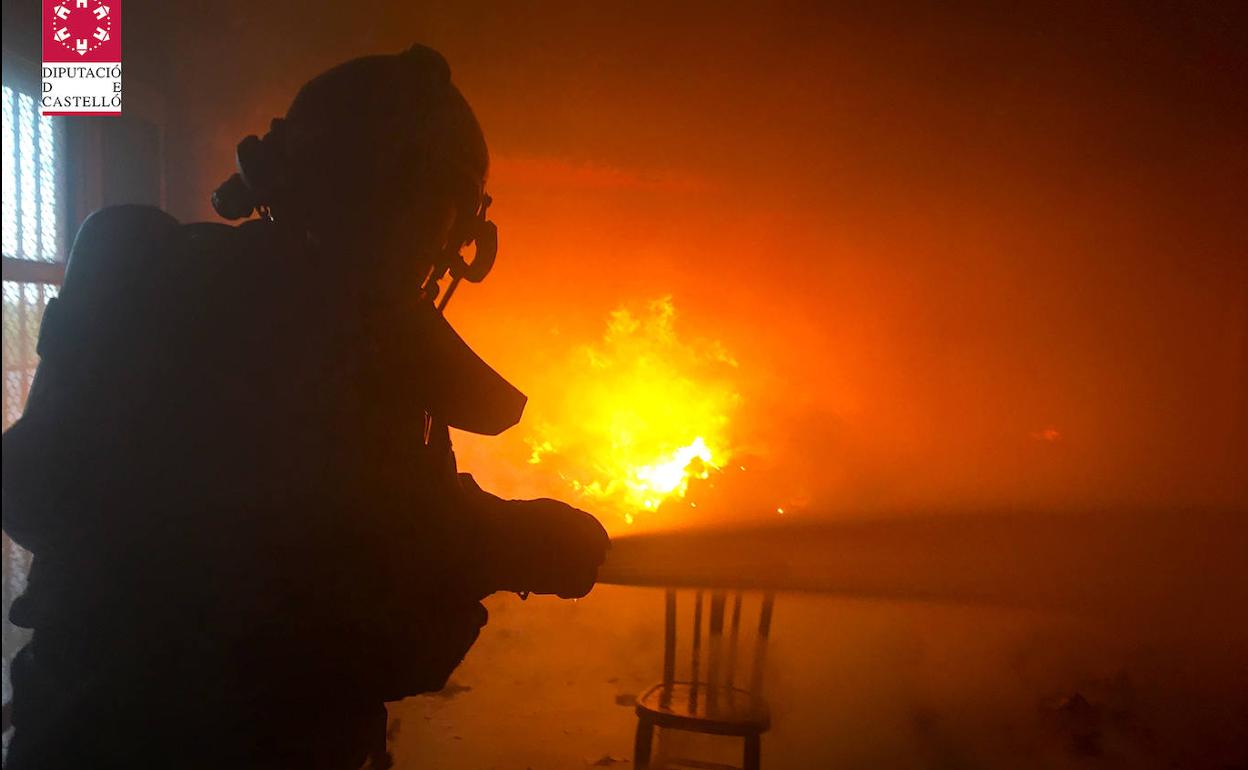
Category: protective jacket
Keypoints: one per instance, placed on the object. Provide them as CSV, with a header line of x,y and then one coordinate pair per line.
x,y
242,547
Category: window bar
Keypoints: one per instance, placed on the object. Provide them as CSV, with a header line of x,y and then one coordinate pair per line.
x,y
10,174
36,168
49,233
17,171
26,170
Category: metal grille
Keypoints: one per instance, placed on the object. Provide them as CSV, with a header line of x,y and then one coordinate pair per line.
x,y
23,310
33,216
31,149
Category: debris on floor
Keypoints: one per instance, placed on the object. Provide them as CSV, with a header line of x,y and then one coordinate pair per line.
x,y
607,760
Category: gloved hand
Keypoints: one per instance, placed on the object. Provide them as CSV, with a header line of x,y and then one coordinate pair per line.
x,y
536,546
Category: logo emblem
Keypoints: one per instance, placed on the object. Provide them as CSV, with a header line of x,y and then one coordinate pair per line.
x,y
81,57
82,26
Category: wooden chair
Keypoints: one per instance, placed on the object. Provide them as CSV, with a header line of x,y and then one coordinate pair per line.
x,y
709,700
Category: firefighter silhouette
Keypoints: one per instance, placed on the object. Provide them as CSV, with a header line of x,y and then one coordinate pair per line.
x,y
234,470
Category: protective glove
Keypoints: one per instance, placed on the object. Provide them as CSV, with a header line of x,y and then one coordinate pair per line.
x,y
535,546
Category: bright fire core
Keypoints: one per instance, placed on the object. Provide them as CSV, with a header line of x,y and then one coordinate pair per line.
x,y
642,413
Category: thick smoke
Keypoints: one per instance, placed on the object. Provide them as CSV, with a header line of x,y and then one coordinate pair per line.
x,y
965,260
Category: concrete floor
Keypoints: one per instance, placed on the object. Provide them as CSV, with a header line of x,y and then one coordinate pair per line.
x,y
851,683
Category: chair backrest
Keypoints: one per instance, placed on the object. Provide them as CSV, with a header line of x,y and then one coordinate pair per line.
x,y
717,653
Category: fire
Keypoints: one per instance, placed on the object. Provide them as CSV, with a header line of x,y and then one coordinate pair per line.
x,y
638,415
672,475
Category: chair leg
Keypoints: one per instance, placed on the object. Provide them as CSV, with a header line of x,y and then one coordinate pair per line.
x,y
753,752
642,743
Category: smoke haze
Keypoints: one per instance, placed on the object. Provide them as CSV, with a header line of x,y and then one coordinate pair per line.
x,y
965,257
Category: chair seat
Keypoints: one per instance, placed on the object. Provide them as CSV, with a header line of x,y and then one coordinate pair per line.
x,y
701,707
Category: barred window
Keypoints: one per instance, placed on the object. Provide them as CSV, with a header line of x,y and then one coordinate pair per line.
x,y
34,247
32,193
23,310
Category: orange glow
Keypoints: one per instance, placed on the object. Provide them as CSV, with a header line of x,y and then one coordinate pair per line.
x,y
916,275
639,414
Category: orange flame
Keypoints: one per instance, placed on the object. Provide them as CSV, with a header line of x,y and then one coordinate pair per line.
x,y
641,414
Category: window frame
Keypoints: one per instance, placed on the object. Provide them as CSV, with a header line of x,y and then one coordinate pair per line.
x,y
80,175
80,192
22,76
